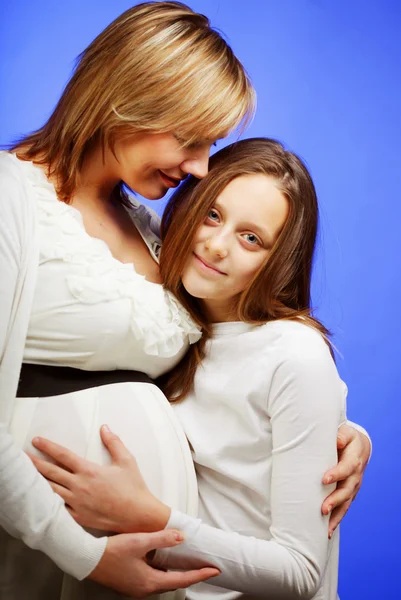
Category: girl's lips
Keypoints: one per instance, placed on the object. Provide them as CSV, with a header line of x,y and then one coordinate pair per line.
x,y
169,181
205,266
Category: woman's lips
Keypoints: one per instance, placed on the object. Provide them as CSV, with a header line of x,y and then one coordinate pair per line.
x,y
171,182
205,266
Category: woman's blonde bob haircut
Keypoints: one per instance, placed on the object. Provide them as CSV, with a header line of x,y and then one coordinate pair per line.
x,y
159,67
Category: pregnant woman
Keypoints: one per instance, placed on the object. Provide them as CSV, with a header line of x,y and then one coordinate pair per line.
x,y
81,305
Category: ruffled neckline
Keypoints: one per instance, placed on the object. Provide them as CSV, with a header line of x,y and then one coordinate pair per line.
x,y
157,318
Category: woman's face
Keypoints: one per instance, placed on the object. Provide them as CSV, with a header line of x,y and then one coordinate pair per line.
x,y
233,242
151,163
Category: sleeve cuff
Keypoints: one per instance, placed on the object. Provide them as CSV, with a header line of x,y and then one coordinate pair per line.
x,y
364,432
175,557
73,549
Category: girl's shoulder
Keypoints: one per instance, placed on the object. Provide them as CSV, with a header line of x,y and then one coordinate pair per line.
x,y
295,341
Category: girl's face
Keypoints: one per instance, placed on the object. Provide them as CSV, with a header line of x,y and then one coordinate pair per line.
x,y
151,163
233,243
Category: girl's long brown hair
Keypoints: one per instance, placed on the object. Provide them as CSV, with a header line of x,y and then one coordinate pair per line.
x,y
281,288
159,67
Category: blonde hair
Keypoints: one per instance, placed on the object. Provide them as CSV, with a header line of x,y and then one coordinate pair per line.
x,y
158,67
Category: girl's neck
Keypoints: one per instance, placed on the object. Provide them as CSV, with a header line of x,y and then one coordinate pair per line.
x,y
219,311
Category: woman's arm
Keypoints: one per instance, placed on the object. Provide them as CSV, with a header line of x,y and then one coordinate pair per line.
x,y
29,508
354,448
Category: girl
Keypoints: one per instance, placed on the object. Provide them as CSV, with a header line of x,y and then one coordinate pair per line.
x,y
148,97
258,396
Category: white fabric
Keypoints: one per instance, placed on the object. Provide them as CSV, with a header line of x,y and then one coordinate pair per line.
x,y
138,412
262,424
146,423
88,311
81,308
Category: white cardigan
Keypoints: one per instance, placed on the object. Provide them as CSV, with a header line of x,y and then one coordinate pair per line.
x,y
29,509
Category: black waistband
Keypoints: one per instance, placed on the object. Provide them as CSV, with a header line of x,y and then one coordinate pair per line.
x,y
39,381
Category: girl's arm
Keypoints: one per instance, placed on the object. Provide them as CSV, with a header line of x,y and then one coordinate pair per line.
x,y
305,405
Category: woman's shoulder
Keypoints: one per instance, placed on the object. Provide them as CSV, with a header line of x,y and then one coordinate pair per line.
x,y
10,169
15,198
17,174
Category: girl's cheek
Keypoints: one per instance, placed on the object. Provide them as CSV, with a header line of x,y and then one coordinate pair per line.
x,y
201,235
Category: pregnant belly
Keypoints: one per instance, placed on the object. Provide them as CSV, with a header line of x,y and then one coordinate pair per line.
x,y
137,412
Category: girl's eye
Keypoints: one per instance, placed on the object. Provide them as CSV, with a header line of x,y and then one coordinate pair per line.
x,y
251,238
213,215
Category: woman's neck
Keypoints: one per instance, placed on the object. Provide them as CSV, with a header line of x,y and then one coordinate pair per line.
x,y
98,176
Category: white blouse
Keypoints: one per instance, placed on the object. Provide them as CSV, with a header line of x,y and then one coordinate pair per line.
x,y
92,312
64,300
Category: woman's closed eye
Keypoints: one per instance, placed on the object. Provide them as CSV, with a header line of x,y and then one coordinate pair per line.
x,y
194,145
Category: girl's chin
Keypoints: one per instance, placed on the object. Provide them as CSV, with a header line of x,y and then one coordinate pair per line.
x,y
192,285
194,293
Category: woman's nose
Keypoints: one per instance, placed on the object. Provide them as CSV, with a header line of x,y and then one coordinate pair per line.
x,y
198,164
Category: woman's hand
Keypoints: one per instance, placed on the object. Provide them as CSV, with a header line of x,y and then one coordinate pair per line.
x,y
124,568
353,455
109,497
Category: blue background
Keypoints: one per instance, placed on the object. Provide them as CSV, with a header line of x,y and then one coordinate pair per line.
x,y
328,76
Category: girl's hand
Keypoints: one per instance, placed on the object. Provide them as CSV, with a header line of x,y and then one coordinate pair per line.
x,y
353,455
110,497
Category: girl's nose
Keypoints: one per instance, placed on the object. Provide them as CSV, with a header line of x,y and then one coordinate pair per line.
x,y
217,247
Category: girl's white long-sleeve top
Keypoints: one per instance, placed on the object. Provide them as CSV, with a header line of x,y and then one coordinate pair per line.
x,y
262,424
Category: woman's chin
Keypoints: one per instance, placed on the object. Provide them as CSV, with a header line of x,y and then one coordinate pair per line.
x,y
154,195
